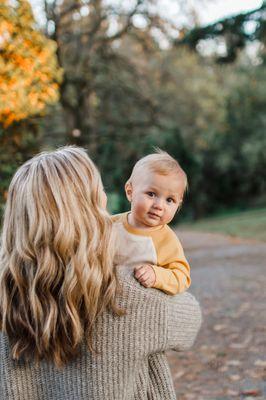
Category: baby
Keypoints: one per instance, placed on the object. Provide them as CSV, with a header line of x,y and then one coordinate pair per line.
x,y
155,190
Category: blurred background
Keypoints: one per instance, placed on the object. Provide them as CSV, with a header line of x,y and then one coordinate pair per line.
x,y
120,77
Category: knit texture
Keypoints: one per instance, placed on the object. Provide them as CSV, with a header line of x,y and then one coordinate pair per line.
x,y
130,365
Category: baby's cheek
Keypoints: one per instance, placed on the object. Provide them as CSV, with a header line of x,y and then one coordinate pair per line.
x,y
171,213
140,208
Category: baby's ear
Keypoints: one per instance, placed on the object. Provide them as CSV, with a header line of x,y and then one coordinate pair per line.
x,y
128,190
179,205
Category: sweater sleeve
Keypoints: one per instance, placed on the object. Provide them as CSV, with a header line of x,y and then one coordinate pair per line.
x,y
183,321
164,322
172,272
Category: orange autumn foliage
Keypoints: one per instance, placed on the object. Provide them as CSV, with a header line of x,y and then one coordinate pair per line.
x,y
29,72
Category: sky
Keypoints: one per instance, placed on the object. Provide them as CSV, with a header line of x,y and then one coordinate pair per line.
x,y
209,11
217,9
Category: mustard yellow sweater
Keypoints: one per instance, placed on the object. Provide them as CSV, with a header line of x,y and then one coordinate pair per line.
x,y
158,246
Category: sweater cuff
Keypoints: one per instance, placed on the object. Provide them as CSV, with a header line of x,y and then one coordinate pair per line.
x,y
158,284
184,320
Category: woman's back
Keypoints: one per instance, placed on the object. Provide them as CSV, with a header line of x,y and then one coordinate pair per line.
x,y
154,322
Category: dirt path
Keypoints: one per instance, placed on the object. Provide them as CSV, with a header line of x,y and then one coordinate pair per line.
x,y
228,360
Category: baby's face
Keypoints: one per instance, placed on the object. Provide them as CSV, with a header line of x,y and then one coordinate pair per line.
x,y
154,199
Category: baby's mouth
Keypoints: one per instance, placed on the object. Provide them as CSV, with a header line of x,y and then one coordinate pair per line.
x,y
153,215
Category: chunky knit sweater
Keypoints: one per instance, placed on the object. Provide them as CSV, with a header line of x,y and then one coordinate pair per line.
x,y
131,364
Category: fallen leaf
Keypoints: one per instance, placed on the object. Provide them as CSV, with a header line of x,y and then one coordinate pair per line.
x,y
260,363
235,377
233,363
243,344
231,392
251,392
223,369
179,374
220,327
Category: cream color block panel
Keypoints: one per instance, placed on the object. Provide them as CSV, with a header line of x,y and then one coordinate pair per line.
x,y
133,250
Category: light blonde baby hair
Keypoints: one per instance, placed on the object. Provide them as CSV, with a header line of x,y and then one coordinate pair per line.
x,y
161,163
56,256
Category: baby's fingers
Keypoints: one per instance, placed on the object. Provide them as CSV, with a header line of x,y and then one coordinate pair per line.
x,y
147,283
146,279
139,271
143,277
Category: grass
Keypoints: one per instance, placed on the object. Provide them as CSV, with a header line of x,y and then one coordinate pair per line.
x,y
246,224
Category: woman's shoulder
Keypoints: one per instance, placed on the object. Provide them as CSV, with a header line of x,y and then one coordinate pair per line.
x,y
133,290
175,319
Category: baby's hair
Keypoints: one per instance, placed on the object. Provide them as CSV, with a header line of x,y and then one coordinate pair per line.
x,y
159,162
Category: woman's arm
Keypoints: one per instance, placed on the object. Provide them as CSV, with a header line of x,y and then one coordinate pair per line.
x,y
164,322
183,321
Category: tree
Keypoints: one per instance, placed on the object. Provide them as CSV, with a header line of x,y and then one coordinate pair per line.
x,y
87,35
234,32
242,163
29,80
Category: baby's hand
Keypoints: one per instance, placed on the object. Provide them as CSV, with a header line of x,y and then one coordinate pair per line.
x,y
145,275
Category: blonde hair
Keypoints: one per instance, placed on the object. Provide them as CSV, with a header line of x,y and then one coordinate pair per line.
x,y
56,257
161,163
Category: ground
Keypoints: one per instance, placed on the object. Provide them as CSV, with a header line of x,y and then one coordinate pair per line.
x,y
228,360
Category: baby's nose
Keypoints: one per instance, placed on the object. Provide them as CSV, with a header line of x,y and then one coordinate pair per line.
x,y
158,203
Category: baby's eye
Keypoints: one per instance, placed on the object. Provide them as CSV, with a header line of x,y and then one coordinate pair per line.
x,y
170,200
151,194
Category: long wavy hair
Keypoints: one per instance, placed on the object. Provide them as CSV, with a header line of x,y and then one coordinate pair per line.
x,y
56,256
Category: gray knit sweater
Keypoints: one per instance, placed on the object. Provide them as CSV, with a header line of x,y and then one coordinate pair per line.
x,y
131,364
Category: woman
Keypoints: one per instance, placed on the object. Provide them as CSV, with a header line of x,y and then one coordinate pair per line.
x,y
70,328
